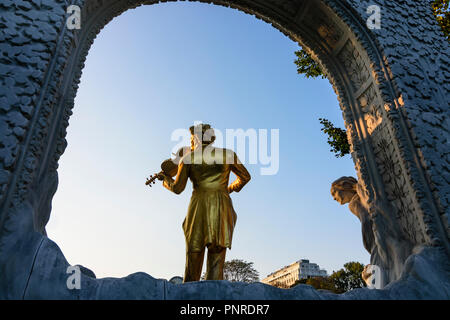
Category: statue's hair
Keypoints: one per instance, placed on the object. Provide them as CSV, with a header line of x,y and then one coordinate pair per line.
x,y
207,133
344,183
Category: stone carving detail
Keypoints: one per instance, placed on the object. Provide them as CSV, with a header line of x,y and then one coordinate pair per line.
x,y
28,41
397,191
354,65
387,155
371,109
286,6
418,58
388,163
325,28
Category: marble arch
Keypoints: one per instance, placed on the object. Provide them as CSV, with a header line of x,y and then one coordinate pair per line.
x,y
392,84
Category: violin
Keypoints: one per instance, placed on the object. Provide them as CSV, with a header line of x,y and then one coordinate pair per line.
x,y
169,167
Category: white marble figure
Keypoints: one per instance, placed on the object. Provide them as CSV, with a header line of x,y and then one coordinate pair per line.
x,y
382,236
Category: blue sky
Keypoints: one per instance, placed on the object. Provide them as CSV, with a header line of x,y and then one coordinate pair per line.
x,y
159,68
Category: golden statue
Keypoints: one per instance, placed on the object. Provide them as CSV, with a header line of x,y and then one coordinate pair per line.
x,y
210,219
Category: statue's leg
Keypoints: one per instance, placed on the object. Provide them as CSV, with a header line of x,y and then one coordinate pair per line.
x,y
194,264
216,260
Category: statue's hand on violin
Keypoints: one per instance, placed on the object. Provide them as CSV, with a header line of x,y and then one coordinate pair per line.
x,y
157,176
160,176
169,167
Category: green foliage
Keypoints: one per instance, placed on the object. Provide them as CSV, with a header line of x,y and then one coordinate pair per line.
x,y
337,138
323,283
307,66
441,11
240,270
340,281
348,278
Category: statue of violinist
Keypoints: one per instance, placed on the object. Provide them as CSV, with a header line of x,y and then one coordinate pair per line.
x,y
210,219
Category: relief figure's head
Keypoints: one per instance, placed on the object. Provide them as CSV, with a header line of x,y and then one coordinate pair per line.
x,y
343,189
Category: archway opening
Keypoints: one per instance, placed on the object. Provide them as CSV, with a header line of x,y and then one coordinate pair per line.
x,y
386,161
139,86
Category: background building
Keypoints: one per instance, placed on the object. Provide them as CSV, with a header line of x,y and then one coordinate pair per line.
x,y
288,275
